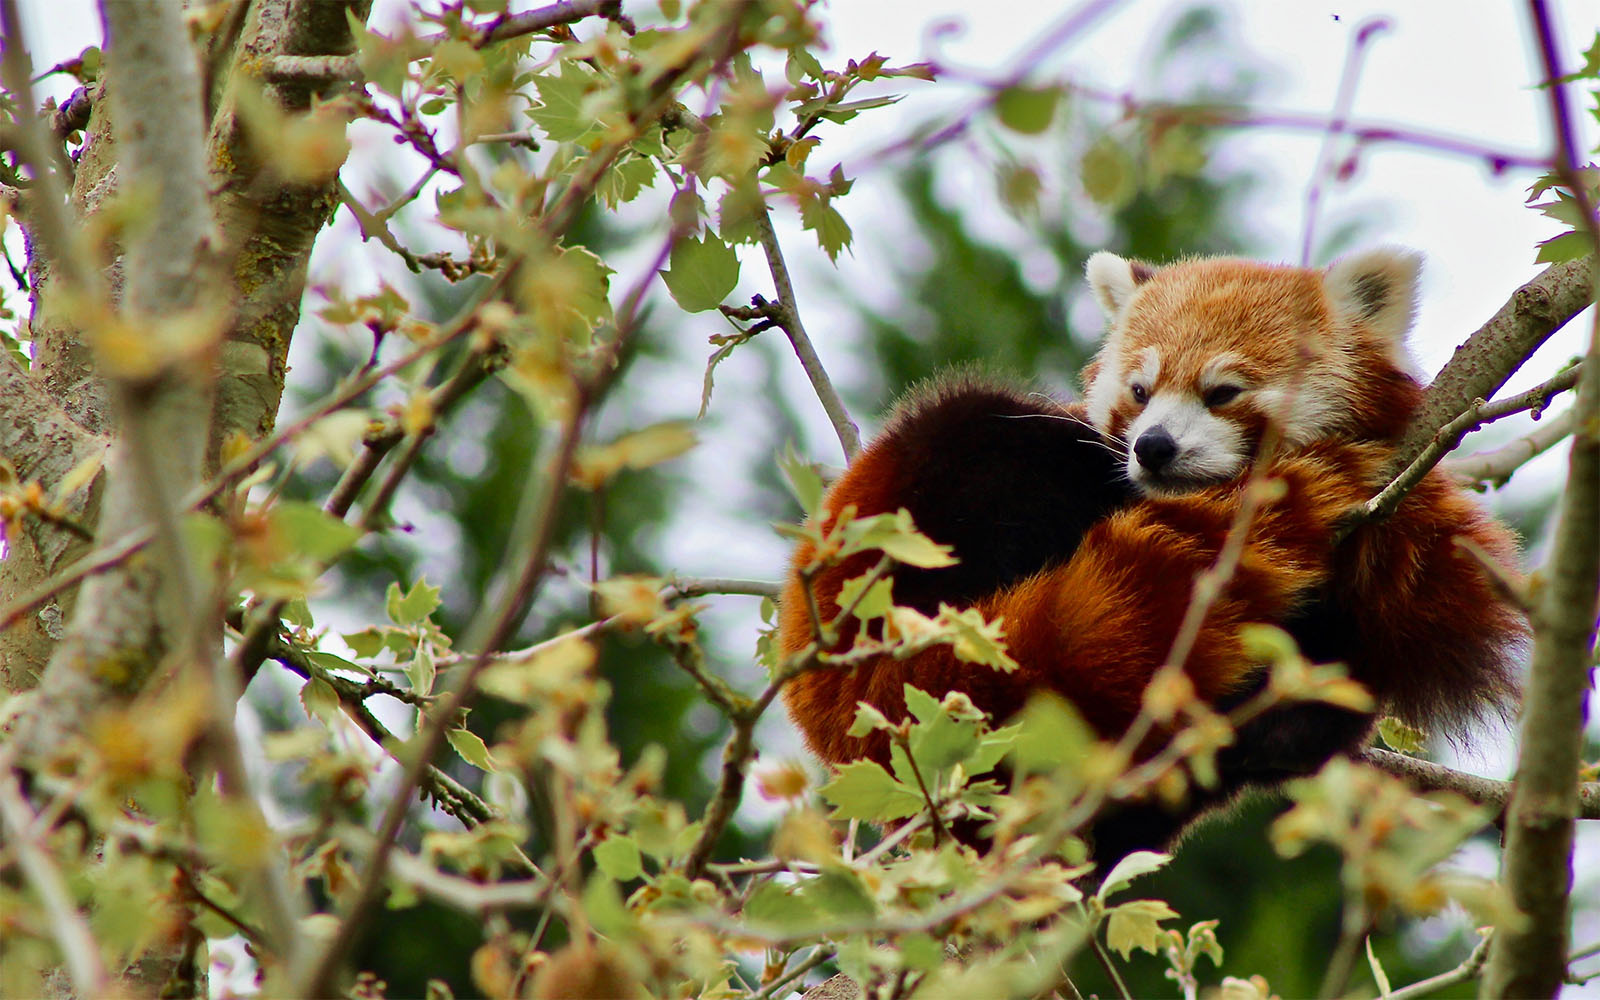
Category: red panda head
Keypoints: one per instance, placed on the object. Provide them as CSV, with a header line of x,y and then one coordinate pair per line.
x,y
1202,354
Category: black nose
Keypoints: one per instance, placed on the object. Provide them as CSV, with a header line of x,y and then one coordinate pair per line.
x,y
1155,449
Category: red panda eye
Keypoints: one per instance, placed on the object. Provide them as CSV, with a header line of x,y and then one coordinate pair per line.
x,y
1140,394
1222,395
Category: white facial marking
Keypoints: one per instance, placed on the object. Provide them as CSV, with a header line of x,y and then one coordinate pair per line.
x,y
1100,396
1308,412
1221,370
1149,366
1210,448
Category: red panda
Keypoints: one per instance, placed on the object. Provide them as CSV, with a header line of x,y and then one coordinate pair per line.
x,y
1083,526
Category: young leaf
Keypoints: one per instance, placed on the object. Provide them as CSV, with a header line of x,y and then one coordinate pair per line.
x,y
1049,733
1027,109
1401,738
1137,924
640,449
1378,975
320,700
618,856
875,603
864,790
869,719
1131,867
701,273
471,748
896,535
976,640
804,482
833,233
773,905
420,671
838,893
308,531
561,113
412,606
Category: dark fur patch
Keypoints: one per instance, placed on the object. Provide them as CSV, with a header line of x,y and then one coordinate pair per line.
x,y
1372,291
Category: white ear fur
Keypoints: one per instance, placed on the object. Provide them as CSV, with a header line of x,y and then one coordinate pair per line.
x,y
1378,289
1113,281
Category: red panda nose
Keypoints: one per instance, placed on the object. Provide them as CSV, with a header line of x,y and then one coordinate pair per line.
x,y
1155,448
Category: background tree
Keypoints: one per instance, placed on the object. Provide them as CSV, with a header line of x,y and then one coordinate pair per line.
x,y
443,572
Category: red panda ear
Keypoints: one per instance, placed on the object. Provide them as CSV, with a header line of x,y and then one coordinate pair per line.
x,y
1376,289
1114,280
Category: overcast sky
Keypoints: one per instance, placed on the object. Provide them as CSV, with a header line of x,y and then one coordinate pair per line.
x,y
1463,67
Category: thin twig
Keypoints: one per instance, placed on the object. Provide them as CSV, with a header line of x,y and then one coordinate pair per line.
x,y
940,833
1426,776
1496,467
843,426
1342,103
1355,927
116,552
67,925
819,956
1104,958
1469,969
1449,436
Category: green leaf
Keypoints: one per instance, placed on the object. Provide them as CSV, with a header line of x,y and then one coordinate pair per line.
x,y
1378,975
1028,110
1137,924
942,742
298,613
1401,738
1107,174
320,700
803,481
1568,246
624,182
738,209
330,661
603,905
561,112
877,601
923,706
1050,734
1129,868
413,605
838,893
471,748
310,531
701,273
618,856
896,535
420,671
921,951
1019,187
864,790
366,643
833,233
976,640
774,905
869,719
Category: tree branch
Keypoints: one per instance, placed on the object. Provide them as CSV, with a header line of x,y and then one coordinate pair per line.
x,y
789,320
1426,776
1537,864
1469,969
326,69
1495,467
1449,436
1496,350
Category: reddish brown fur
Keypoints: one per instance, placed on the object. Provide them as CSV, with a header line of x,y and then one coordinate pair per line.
x,y
1096,628
1415,615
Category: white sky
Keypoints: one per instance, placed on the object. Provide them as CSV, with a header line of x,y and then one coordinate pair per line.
x,y
1462,67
